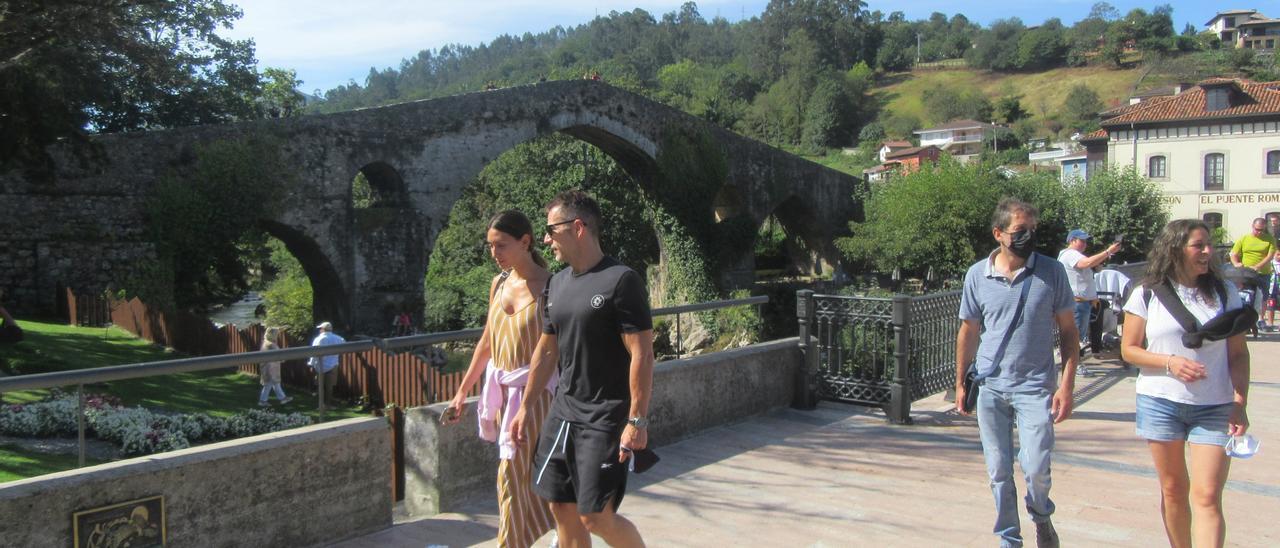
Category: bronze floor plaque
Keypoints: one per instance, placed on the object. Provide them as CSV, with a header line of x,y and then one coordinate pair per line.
x,y
136,524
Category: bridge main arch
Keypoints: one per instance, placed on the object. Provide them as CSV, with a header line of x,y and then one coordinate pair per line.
x,y
417,157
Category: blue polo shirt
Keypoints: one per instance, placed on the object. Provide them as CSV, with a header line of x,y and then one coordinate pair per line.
x,y
992,300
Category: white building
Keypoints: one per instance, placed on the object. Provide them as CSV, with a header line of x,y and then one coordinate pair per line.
x,y
961,139
1214,149
1245,29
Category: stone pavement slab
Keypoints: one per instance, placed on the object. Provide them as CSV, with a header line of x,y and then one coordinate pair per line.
x,y
841,476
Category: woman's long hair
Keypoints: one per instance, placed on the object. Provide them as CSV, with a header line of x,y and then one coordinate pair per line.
x,y
1165,261
269,338
515,224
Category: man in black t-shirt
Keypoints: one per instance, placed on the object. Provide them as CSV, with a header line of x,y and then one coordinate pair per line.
x,y
598,329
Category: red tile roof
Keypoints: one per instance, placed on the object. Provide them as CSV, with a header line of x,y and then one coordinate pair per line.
x,y
1100,134
907,152
957,124
1150,100
1253,22
1262,98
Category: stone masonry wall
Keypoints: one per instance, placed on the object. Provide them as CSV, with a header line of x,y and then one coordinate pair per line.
x,y
447,467
301,487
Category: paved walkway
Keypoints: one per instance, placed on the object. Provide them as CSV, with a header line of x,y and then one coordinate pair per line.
x,y
841,476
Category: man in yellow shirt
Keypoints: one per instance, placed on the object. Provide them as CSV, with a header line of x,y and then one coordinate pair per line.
x,y
1254,251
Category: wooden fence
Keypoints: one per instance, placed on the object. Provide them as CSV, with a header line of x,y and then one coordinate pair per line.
x,y
378,377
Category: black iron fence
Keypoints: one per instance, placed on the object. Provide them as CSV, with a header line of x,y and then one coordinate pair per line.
x,y
880,351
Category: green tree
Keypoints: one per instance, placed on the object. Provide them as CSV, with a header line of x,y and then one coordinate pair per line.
x,y
526,178
1115,201
1042,48
935,217
1008,109
280,95
946,103
288,297
71,68
997,47
204,217
1081,107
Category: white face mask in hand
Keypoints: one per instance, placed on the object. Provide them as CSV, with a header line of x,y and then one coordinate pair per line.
x,y
1242,447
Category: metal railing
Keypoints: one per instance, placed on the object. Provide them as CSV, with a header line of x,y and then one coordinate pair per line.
x,y
883,351
81,377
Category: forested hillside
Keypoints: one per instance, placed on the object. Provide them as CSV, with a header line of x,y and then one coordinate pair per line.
x,y
813,74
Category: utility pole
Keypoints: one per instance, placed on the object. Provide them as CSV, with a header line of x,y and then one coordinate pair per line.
x,y
917,48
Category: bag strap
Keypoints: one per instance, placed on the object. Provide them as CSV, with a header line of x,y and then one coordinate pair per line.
x,y
502,278
1164,293
1017,316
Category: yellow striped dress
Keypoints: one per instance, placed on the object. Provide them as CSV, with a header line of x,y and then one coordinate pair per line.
x,y
523,515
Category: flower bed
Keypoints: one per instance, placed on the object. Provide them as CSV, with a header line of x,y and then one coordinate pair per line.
x,y
137,430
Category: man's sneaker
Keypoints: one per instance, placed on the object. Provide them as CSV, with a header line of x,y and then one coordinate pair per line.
x,y
1046,536
287,399
263,404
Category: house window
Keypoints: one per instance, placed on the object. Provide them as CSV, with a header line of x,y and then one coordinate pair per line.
x,y
1273,162
1217,99
1271,44
1155,167
1215,171
1214,220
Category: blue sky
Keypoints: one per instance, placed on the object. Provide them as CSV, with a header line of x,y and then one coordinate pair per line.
x,y
332,41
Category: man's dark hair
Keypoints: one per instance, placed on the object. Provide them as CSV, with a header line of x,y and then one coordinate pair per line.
x,y
576,204
1003,215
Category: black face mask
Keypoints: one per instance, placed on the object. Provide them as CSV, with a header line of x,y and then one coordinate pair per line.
x,y
1021,243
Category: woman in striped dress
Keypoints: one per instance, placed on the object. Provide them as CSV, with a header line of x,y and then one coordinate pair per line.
x,y
512,329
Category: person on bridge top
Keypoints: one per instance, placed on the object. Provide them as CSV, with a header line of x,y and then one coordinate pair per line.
x,y
1187,396
512,327
1009,304
1080,275
599,331
326,365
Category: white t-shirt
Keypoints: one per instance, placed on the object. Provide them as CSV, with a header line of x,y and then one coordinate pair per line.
x,y
1164,336
1081,279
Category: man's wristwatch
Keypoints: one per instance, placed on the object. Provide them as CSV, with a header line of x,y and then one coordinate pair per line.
x,y
638,422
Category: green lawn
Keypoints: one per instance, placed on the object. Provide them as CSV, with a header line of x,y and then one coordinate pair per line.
x,y
56,347
17,463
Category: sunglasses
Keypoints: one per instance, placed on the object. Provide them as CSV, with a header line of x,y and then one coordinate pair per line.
x,y
551,228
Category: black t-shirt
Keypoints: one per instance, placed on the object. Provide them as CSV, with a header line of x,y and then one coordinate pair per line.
x,y
588,313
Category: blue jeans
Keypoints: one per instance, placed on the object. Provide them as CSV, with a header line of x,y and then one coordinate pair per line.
x,y
1082,313
997,413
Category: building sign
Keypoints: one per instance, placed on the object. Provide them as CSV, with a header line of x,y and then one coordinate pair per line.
x,y
1171,200
137,523
1227,199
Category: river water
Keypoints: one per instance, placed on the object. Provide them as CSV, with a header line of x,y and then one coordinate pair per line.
x,y
239,312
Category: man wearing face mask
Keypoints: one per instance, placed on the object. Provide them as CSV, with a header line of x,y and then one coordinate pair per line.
x,y
1010,303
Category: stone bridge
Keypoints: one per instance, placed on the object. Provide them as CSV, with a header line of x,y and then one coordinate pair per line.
x,y
86,228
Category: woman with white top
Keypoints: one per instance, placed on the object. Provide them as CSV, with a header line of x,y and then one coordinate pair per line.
x,y
1187,396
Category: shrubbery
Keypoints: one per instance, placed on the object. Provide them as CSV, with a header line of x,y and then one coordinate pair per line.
x,y
939,217
138,431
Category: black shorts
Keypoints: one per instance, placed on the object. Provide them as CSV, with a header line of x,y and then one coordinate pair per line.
x,y
573,463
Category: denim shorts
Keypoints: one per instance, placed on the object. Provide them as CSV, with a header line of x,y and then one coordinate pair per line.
x,y
1159,419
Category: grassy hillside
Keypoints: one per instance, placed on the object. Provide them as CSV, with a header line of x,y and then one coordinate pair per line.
x,y
1042,92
